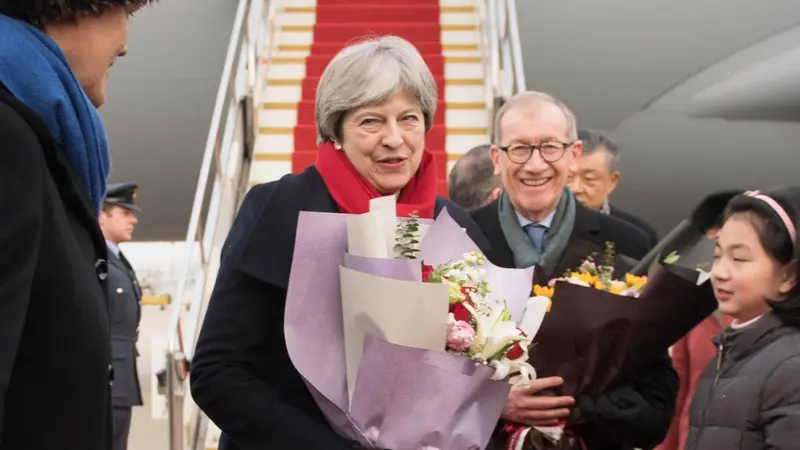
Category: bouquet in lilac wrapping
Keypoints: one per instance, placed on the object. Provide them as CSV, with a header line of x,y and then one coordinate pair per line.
x,y
406,337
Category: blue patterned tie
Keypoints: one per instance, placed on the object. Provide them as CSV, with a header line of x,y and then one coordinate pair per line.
x,y
535,233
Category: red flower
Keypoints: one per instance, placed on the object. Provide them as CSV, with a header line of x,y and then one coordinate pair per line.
x,y
459,311
427,271
516,351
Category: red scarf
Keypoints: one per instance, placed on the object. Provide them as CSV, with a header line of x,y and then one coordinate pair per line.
x,y
352,192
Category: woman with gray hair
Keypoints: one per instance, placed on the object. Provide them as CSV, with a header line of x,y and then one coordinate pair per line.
x,y
375,103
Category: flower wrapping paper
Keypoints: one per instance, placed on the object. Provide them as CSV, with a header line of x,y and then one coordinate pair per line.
x,y
594,339
403,397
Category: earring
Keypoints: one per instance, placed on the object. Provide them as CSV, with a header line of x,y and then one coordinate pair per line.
x,y
337,146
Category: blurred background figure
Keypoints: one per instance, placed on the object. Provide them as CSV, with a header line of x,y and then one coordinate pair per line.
x,y
118,220
597,177
472,181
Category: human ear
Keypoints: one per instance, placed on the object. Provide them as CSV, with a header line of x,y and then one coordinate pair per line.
x,y
788,278
495,153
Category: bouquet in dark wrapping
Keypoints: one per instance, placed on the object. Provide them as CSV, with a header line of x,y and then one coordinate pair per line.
x,y
587,331
605,323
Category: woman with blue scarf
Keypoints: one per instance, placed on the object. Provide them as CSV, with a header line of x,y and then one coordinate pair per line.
x,y
55,353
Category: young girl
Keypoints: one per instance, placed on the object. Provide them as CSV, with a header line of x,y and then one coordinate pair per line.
x,y
749,396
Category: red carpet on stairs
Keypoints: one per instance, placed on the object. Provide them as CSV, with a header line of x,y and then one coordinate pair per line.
x,y
342,22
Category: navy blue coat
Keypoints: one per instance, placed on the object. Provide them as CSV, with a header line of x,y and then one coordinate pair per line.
x,y
125,298
242,376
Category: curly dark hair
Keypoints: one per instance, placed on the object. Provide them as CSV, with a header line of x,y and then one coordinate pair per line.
x,y
45,12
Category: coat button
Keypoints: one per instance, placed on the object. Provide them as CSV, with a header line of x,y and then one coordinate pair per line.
x,y
119,290
110,374
101,267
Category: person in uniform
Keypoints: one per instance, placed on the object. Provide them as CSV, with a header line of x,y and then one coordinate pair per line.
x,y
117,221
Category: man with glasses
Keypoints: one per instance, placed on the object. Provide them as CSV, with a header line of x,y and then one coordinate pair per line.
x,y
537,222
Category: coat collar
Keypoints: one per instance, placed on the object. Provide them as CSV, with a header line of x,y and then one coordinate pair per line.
x,y
269,239
70,187
585,238
269,250
117,261
742,342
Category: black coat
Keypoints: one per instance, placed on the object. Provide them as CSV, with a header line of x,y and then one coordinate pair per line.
x,y
125,299
55,346
749,399
634,413
242,377
652,235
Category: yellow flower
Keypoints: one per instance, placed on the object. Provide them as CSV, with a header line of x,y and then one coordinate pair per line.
x,y
617,288
600,286
543,291
635,282
585,277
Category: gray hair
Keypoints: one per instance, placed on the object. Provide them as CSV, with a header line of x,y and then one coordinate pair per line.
x,y
531,100
368,73
594,139
472,178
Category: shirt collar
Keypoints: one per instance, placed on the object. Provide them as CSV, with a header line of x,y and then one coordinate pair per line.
x,y
546,222
606,208
113,247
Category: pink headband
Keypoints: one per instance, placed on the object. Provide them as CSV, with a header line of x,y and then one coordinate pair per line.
x,y
787,221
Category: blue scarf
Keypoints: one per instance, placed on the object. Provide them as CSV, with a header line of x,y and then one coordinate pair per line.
x,y
36,72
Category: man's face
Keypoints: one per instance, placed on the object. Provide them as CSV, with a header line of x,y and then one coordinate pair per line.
x,y
594,181
536,186
118,223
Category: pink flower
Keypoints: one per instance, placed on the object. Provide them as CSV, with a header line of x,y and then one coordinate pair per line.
x,y
460,335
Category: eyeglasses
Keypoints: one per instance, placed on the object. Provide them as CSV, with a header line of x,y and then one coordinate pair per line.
x,y
550,151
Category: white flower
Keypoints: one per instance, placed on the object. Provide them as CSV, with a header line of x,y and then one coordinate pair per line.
x,y
578,282
471,258
493,333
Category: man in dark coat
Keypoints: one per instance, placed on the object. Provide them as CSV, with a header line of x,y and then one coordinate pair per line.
x,y
597,177
538,222
118,220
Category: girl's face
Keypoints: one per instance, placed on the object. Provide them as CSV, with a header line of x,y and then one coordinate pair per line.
x,y
744,275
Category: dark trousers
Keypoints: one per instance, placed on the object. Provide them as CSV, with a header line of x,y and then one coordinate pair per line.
x,y
122,427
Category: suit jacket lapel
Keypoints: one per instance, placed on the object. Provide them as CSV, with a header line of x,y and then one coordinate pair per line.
x,y
583,242
117,261
488,221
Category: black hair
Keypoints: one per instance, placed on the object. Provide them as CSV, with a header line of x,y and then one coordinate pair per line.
x,y
46,12
775,239
472,179
710,213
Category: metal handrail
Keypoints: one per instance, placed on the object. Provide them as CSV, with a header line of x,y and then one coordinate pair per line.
x,y
225,163
505,73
